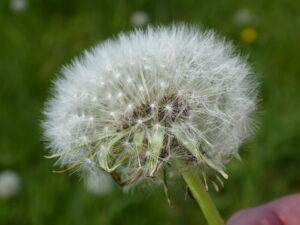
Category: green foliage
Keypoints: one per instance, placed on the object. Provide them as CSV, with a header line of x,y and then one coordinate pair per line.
x,y
35,43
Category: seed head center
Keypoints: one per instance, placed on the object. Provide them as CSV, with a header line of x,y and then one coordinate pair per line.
x,y
166,110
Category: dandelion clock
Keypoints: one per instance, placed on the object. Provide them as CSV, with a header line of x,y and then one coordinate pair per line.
x,y
151,102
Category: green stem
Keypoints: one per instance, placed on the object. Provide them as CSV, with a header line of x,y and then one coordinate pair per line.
x,y
199,192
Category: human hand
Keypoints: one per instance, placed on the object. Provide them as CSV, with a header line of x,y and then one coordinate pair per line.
x,y
283,211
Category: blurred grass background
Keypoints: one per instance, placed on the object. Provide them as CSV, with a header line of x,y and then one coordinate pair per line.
x,y
36,40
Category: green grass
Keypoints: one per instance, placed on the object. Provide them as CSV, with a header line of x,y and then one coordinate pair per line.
x,y
33,46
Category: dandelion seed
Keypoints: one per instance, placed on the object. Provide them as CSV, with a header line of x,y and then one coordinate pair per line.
x,y
120,94
168,108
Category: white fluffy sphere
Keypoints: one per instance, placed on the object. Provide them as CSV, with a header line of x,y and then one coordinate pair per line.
x,y
9,184
131,105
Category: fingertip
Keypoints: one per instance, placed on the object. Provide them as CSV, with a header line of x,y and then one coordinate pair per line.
x,y
285,210
254,216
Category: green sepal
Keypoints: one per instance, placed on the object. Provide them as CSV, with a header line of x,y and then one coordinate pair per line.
x,y
106,152
76,147
184,137
155,138
138,142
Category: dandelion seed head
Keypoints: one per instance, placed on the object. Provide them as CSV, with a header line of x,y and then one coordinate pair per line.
x,y
10,184
243,16
150,97
139,18
18,6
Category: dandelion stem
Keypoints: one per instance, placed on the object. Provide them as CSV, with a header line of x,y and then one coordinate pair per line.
x,y
200,194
